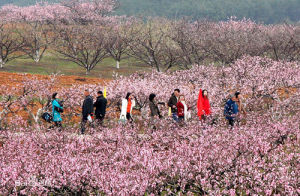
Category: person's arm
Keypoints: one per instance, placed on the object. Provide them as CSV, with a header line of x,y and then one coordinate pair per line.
x,y
90,106
84,108
56,104
104,106
96,104
161,103
170,104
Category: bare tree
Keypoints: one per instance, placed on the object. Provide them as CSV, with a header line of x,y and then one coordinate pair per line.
x,y
83,45
37,41
283,42
151,45
190,37
11,44
117,42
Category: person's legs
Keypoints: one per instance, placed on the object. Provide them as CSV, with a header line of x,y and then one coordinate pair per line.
x,y
153,122
129,118
181,119
231,122
175,117
101,119
83,123
58,124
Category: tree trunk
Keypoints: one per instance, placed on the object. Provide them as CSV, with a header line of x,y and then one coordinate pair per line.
x,y
118,64
2,63
37,56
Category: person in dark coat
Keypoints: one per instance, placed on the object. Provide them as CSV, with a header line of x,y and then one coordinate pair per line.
x,y
172,103
231,109
154,110
154,106
100,106
87,109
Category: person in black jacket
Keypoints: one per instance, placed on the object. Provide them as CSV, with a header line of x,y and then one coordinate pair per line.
x,y
87,109
100,106
173,104
154,110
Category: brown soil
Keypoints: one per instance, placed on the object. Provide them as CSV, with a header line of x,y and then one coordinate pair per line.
x,y
13,79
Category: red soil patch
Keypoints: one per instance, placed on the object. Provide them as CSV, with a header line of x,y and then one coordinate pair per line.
x,y
13,79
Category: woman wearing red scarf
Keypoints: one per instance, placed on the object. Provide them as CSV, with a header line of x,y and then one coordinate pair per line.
x,y
203,105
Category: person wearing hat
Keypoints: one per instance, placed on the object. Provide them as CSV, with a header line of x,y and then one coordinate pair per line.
x,y
100,106
57,109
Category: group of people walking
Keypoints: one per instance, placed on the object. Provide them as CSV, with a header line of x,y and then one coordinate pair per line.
x,y
87,110
178,108
181,111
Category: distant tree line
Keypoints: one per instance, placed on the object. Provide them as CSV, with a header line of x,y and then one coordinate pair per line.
x,y
266,11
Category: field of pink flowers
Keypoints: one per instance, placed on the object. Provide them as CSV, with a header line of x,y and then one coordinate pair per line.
x,y
257,157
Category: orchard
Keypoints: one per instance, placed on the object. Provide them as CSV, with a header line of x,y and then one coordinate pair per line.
x,y
258,156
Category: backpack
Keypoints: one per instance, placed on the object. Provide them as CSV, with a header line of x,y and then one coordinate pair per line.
x,y
47,117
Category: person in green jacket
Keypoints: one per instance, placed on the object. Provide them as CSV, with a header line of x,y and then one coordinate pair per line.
x,y
57,109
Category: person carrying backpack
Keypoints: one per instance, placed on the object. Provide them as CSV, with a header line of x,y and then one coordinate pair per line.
x,y
57,109
231,109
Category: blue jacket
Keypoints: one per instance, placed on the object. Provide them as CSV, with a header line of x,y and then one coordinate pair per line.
x,y
56,114
231,108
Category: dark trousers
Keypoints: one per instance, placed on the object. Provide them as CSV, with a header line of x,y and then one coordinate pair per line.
x,y
83,124
129,118
175,117
231,122
100,119
58,123
181,119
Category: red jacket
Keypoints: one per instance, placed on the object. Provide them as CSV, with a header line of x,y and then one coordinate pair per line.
x,y
203,105
180,109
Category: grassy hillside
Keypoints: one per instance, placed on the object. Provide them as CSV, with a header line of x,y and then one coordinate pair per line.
x,y
51,63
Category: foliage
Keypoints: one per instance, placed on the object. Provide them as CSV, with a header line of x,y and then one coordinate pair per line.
x,y
256,157
267,11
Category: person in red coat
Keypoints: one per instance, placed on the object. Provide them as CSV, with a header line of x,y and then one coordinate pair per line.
x,y
182,109
203,105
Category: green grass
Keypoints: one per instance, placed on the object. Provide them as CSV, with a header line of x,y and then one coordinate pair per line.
x,y
52,63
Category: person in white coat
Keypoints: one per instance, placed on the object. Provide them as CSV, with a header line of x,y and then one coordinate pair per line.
x,y
127,104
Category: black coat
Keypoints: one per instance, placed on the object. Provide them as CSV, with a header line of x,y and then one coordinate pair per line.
x,y
173,102
100,106
154,108
87,107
